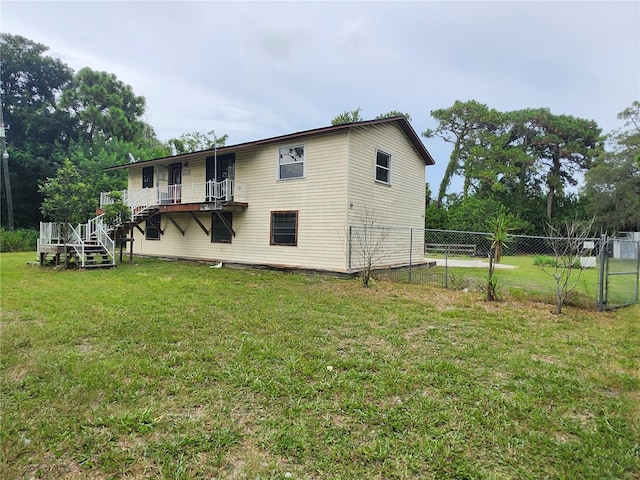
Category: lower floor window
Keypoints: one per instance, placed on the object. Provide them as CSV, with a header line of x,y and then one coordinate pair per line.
x,y
152,228
284,228
221,227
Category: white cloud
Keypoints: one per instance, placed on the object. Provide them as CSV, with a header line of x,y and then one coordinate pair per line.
x,y
257,69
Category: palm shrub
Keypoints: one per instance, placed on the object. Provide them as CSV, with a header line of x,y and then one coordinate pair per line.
x,y
499,238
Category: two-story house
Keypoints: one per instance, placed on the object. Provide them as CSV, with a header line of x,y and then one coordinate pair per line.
x,y
286,201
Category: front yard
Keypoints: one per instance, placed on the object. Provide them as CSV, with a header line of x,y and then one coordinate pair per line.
x,y
163,369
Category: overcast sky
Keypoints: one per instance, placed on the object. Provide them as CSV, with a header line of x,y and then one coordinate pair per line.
x,y
259,69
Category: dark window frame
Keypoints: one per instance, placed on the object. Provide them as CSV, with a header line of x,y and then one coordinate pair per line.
x,y
383,172
153,225
278,237
219,231
147,180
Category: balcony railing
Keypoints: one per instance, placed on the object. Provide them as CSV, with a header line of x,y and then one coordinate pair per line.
x,y
211,191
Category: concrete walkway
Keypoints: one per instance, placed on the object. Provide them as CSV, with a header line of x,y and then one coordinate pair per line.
x,y
463,262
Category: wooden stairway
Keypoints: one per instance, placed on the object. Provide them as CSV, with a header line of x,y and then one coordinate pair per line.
x,y
93,255
138,216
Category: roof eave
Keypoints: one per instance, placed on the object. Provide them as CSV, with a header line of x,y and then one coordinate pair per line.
x,y
402,121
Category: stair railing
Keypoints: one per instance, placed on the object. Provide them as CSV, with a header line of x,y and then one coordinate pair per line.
x,y
76,240
96,229
108,243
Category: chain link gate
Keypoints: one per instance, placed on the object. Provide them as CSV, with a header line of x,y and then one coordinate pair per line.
x,y
619,274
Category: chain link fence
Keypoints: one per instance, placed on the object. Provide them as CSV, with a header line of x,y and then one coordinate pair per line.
x,y
619,270
604,277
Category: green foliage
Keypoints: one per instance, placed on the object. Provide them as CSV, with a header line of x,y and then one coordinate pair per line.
x,y
543,261
394,113
117,212
546,261
436,217
499,235
195,142
499,238
518,154
91,118
476,214
92,159
612,188
348,117
38,130
21,240
66,196
104,107
351,116
562,145
457,125
66,201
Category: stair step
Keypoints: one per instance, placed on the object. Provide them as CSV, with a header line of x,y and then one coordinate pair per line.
x,y
100,265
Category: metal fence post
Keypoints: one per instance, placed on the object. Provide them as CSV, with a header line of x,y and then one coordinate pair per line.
x,y
446,266
637,269
410,251
602,271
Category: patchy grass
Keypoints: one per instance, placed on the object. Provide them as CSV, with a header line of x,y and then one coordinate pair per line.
x,y
528,281
174,370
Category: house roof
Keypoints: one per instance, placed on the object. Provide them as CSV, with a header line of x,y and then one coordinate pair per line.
x,y
400,120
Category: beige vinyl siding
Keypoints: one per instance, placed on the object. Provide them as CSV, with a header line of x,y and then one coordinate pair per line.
x,y
396,206
319,199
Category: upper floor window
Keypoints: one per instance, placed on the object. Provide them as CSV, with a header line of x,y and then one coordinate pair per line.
x,y
291,162
147,177
383,167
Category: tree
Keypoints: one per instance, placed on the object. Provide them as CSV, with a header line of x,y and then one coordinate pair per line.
x,y
475,214
195,142
368,239
612,192
116,213
612,188
38,130
515,154
348,117
104,106
564,148
394,113
92,159
459,126
66,201
568,244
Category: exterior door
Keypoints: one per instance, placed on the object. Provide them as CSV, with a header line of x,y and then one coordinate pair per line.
x,y
175,182
218,170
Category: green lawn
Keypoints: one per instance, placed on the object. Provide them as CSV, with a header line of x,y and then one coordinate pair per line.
x,y
529,282
162,369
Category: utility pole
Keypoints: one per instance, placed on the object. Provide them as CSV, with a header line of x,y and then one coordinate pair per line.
x,y
5,172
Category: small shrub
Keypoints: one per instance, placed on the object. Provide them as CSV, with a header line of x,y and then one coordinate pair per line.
x,y
21,240
543,261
